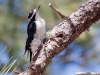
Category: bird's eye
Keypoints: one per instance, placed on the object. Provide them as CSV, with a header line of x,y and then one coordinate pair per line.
x,y
30,14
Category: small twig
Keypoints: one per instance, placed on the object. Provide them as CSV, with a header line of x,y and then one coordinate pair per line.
x,y
57,11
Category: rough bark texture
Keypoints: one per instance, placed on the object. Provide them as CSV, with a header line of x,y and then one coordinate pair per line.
x,y
63,34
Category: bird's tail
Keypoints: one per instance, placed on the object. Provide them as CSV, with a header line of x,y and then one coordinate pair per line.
x,y
26,47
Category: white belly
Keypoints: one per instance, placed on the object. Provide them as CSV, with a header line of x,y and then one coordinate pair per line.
x,y
34,45
40,31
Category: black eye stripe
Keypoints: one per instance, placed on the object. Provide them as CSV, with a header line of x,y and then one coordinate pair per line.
x,y
30,14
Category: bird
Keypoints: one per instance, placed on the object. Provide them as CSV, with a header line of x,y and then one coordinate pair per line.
x,y
35,32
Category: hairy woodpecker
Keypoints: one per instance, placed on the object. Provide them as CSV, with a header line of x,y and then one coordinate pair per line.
x,y
35,31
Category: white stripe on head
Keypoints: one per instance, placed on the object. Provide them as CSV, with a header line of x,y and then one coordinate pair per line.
x,y
33,12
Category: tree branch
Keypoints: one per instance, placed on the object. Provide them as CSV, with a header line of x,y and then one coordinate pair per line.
x,y
63,34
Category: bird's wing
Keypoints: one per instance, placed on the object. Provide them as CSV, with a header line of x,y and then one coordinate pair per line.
x,y
31,30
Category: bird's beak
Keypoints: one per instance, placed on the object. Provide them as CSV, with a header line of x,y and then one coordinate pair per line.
x,y
38,7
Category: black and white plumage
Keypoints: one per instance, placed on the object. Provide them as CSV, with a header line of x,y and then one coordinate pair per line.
x,y
35,31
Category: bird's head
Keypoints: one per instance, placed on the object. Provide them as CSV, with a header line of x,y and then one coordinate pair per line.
x,y
33,13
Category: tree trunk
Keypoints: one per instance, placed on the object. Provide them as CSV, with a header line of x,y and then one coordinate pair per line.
x,y
63,34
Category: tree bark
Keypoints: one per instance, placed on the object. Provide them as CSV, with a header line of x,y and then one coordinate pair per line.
x,y
63,34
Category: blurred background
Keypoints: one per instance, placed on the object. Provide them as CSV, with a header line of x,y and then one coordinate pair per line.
x,y
82,55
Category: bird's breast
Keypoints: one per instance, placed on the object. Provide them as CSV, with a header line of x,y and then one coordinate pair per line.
x,y
40,29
